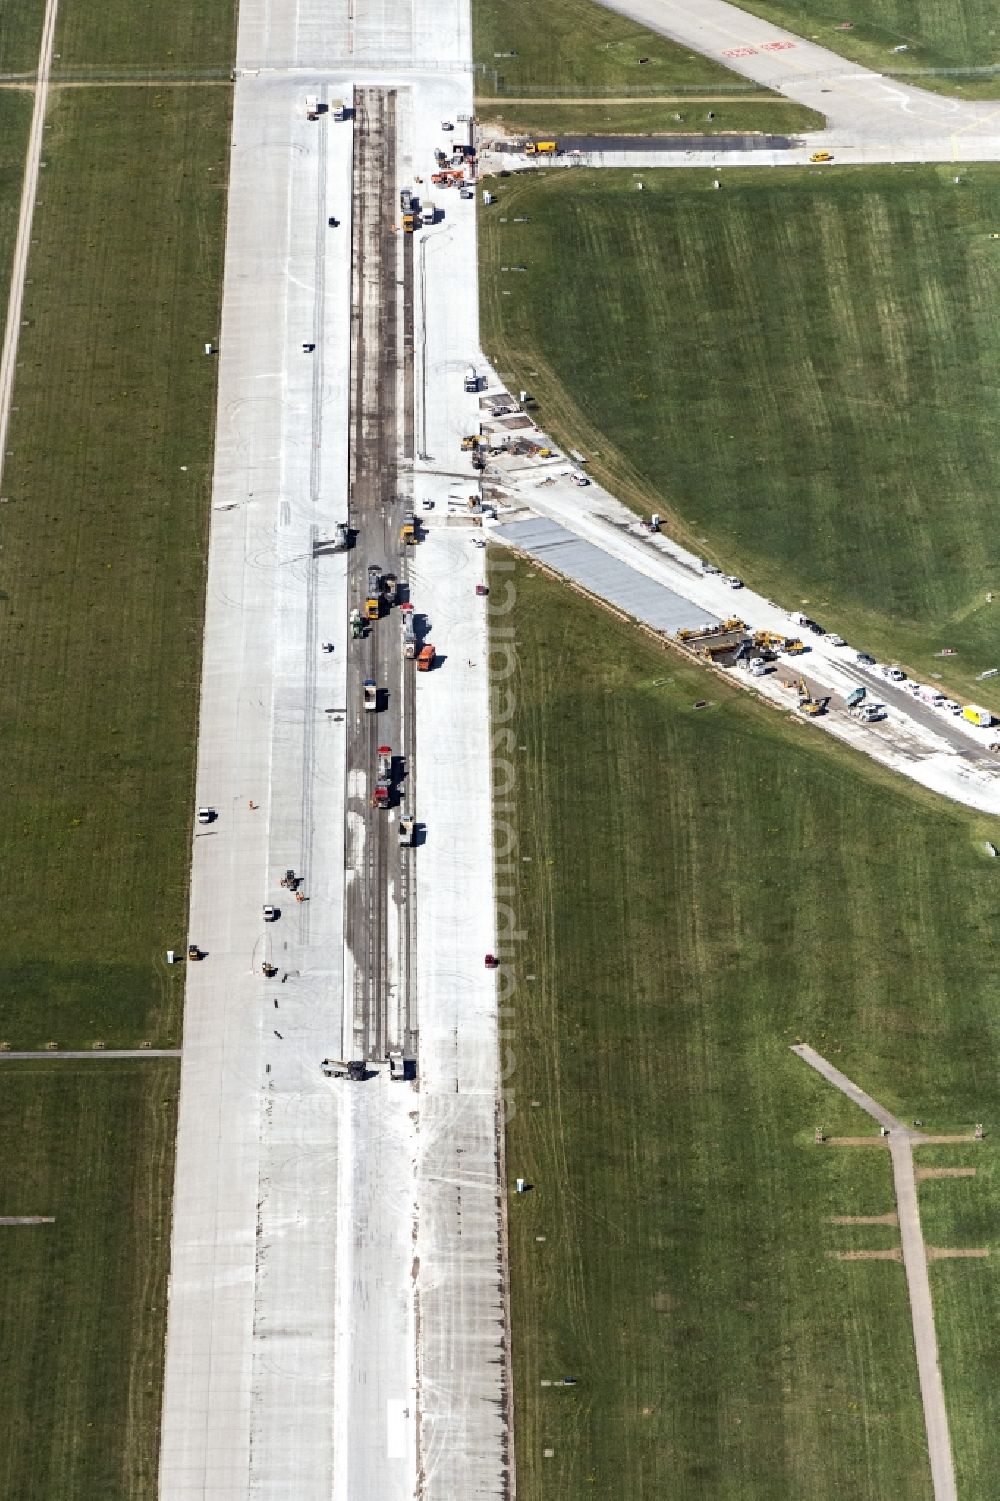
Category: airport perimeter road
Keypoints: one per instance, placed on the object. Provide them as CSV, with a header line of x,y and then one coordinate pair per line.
x,y
336,1324
885,120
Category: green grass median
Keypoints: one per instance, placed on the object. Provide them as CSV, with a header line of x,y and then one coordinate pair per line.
x,y
117,35
15,120
83,1299
560,63
700,888
799,369
21,36
104,540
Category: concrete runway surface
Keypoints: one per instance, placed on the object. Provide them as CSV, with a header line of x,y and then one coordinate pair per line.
x,y
336,1317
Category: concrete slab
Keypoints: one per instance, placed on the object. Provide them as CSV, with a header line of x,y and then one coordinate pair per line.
x,y
604,575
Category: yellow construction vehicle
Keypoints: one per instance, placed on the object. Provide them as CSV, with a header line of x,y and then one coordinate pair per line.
x,y
408,531
808,704
794,647
408,224
469,442
768,641
733,624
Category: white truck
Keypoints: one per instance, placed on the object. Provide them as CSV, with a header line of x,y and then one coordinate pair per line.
x,y
371,695
428,213
409,631
312,107
337,109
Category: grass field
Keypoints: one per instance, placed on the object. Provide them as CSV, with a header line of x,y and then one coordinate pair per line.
x,y
953,48
20,35
612,117
576,48
699,890
15,119
83,1301
800,370
103,562
191,36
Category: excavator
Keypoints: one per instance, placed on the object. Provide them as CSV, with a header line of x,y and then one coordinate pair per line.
x,y
807,704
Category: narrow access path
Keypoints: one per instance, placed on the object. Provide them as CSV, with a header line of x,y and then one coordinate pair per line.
x,y
137,83
93,1053
901,1141
922,1313
29,191
485,103
846,1086
27,1219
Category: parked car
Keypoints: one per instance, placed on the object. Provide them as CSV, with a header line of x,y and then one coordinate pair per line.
x,y
894,674
865,659
734,582
834,639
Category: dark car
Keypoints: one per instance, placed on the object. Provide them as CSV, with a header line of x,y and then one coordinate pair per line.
x,y
864,659
814,626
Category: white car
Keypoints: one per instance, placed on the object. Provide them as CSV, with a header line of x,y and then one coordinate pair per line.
x,y
757,667
206,815
428,505
270,914
447,125
710,568
734,582
894,674
951,706
871,714
834,639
